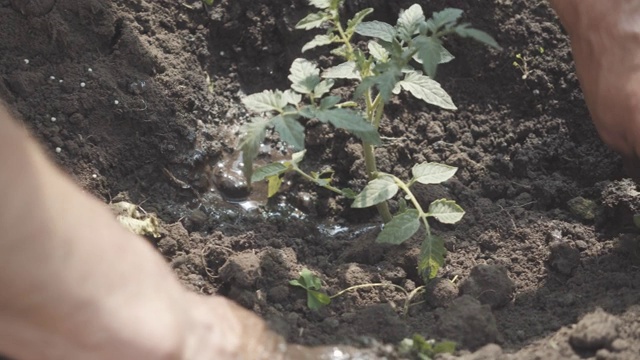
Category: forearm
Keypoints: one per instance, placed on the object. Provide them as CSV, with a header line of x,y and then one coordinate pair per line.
x,y
64,258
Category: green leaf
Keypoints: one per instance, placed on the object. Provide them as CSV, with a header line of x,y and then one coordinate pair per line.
x,y
346,70
426,89
348,193
432,173
377,51
316,300
378,190
357,19
400,228
350,121
313,20
445,56
409,20
304,76
318,40
376,29
290,130
253,135
432,252
442,347
266,101
446,17
446,211
272,169
323,87
385,82
321,4
340,51
429,53
297,157
329,102
465,30
291,97
273,186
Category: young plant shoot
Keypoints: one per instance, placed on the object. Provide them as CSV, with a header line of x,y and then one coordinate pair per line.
x,y
400,57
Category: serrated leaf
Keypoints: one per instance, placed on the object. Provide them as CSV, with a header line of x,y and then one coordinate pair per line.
x,y
318,40
429,53
304,76
409,20
426,89
253,135
340,51
346,70
432,173
321,4
290,131
291,97
316,300
323,87
400,228
312,21
446,17
377,51
350,121
357,19
376,29
385,82
445,56
432,252
446,211
265,101
465,30
273,186
376,191
268,170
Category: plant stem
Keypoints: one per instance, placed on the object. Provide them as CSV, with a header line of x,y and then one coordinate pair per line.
x,y
372,173
310,178
355,287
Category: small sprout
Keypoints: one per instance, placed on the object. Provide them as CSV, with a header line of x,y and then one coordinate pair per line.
x,y
82,84
53,119
26,61
58,150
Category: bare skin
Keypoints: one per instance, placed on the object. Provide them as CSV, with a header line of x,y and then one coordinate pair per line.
x,y
605,39
76,285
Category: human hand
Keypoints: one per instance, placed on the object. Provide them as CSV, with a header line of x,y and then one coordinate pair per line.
x,y
605,39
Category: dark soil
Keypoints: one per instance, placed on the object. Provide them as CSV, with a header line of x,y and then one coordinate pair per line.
x,y
155,120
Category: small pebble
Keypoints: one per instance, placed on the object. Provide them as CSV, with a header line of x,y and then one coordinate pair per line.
x,y
82,84
58,150
90,70
95,176
60,81
53,119
52,77
116,102
26,61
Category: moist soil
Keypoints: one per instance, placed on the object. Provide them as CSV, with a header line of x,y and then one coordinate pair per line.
x,y
146,100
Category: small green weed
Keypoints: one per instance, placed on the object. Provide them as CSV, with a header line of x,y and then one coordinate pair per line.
x,y
419,348
523,62
398,58
316,298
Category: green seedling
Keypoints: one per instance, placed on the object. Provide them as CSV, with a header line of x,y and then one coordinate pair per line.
x,y
208,2
317,299
420,348
401,57
522,62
